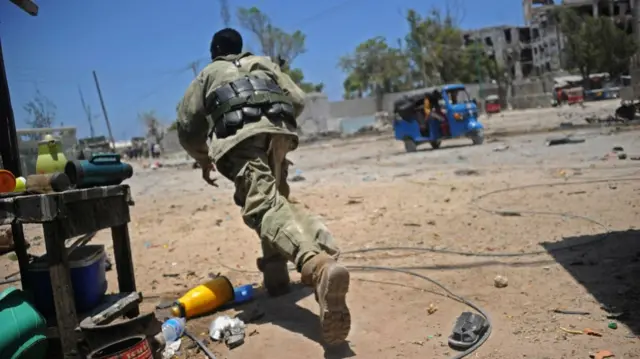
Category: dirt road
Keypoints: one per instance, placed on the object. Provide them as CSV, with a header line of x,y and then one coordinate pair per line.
x,y
372,194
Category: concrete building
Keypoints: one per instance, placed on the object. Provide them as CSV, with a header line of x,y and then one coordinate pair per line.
x,y
509,46
548,40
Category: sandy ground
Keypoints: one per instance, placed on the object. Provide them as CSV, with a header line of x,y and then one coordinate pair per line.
x,y
372,194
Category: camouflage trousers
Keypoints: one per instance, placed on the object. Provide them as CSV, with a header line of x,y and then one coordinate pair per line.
x,y
258,166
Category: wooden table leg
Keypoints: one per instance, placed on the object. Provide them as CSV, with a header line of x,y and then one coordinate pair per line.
x,y
124,262
62,289
20,247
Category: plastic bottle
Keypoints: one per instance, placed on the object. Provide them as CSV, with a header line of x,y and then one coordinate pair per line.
x,y
173,329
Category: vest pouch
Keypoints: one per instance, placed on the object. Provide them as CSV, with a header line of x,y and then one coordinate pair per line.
x,y
229,124
281,110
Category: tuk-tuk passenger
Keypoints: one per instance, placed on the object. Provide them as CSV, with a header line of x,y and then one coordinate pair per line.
x,y
431,103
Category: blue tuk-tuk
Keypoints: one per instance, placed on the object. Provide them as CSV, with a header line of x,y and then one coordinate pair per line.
x,y
454,114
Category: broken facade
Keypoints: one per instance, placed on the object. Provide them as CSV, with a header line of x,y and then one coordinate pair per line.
x,y
509,46
547,38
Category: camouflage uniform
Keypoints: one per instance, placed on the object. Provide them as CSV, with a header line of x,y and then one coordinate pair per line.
x,y
253,156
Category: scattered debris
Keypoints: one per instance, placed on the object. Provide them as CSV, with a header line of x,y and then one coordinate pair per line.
x,y
501,148
297,178
410,224
229,330
171,349
466,173
564,141
354,201
432,309
509,214
591,332
570,312
622,156
602,354
576,192
467,331
572,331
500,281
634,158
612,325
200,345
618,149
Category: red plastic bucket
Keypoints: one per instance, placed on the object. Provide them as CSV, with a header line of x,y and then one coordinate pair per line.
x,y
136,347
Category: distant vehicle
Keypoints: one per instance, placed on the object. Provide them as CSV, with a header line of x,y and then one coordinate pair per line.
x,y
453,115
492,104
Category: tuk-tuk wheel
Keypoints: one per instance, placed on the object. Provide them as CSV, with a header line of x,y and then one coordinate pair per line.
x,y
410,145
477,137
435,144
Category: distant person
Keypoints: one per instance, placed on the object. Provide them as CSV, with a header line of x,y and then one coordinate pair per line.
x,y
253,106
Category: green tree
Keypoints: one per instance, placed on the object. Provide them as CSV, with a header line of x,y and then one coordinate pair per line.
x,y
374,69
595,44
277,44
434,45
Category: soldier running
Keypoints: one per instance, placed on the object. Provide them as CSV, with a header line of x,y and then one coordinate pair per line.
x,y
248,107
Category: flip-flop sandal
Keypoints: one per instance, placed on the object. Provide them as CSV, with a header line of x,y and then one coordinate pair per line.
x,y
469,328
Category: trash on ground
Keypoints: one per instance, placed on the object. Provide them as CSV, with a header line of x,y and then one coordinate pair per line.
x,y
229,330
572,331
509,214
591,332
618,149
173,329
432,309
570,312
469,328
564,141
612,325
466,173
501,148
500,281
602,354
171,349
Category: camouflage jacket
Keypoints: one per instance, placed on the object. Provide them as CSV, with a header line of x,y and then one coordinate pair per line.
x,y
193,125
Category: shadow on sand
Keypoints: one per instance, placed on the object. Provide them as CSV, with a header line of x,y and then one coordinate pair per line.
x,y
284,312
609,269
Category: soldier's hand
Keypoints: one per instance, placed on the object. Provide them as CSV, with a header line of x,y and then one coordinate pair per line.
x,y
207,168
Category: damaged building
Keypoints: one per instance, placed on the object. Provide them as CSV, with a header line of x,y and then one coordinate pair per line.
x,y
547,39
509,46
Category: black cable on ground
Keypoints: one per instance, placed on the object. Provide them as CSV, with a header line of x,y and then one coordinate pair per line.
x,y
474,202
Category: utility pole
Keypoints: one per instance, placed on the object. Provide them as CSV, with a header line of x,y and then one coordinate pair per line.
x,y
87,111
104,111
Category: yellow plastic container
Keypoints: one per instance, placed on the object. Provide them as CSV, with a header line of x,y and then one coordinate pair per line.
x,y
204,298
50,156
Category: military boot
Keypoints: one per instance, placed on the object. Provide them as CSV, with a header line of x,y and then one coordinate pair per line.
x,y
331,284
275,275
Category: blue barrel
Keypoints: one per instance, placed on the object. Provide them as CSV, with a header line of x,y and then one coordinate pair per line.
x,y
102,169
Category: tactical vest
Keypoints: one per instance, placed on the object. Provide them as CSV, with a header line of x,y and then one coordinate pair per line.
x,y
246,100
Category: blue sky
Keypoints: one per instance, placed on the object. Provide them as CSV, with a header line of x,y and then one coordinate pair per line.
x,y
141,49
